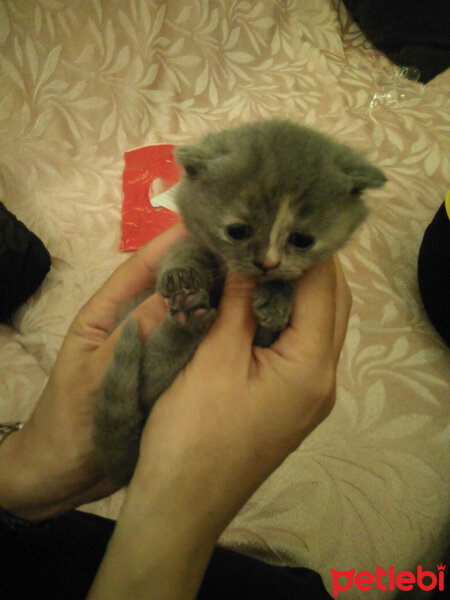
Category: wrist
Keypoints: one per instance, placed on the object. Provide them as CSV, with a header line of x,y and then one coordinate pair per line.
x,y
202,495
30,488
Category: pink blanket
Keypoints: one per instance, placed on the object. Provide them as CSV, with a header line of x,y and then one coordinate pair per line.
x,y
83,82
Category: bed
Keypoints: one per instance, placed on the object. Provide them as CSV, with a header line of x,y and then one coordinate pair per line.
x,y
84,82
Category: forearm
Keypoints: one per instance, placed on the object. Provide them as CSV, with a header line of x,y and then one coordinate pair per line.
x,y
42,476
180,499
29,486
160,551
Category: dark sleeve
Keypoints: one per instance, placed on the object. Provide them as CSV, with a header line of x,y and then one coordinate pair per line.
x,y
55,559
434,271
24,262
412,33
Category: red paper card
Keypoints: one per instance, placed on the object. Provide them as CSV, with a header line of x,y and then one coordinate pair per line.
x,y
141,221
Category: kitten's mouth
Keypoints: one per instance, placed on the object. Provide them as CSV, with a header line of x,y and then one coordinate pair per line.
x,y
257,274
276,275
267,275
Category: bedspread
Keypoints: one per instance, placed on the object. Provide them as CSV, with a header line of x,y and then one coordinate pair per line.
x,y
83,82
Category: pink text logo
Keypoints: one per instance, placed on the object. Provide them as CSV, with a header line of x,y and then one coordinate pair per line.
x,y
388,580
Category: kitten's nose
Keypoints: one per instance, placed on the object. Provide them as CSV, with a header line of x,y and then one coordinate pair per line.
x,y
267,265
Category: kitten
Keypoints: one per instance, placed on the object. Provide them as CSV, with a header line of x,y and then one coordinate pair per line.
x,y
266,200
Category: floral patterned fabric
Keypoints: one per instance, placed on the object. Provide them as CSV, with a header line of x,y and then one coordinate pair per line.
x,y
83,82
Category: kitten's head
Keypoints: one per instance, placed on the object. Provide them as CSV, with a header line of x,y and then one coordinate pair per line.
x,y
272,198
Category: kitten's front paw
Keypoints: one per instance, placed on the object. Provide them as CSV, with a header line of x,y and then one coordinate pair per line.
x,y
188,301
272,310
174,281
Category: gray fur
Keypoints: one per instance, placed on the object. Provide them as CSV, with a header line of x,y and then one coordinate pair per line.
x,y
274,177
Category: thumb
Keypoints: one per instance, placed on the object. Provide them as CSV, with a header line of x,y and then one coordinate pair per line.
x,y
148,316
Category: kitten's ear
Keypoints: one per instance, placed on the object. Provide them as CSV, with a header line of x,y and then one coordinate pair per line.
x,y
193,159
200,163
363,175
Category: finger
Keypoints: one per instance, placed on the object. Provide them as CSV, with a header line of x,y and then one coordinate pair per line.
x,y
312,323
235,324
343,307
148,315
133,276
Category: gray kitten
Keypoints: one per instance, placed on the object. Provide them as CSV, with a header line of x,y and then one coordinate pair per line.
x,y
266,200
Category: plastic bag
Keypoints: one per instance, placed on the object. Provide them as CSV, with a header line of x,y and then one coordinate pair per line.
x,y
394,86
147,171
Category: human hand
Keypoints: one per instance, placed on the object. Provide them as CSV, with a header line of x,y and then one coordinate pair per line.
x,y
49,466
236,411
227,421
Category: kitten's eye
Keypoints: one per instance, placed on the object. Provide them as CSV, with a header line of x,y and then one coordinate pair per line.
x,y
239,232
301,240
